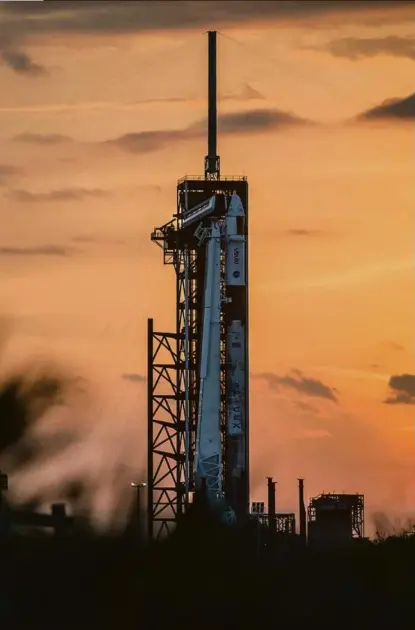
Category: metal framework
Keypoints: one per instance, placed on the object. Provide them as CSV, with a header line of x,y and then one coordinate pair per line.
x,y
165,433
351,504
173,363
284,523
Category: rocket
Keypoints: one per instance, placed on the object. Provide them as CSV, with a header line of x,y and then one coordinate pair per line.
x,y
235,281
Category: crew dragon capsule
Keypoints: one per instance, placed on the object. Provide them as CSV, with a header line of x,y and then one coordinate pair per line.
x,y
235,243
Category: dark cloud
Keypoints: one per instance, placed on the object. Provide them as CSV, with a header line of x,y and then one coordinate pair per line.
x,y
400,399
21,20
134,378
148,141
257,120
358,48
238,122
391,109
41,138
65,194
302,384
403,390
44,250
21,63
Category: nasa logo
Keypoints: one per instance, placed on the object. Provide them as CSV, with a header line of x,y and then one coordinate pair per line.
x,y
236,256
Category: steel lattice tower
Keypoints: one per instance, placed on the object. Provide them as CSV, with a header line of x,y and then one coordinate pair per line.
x,y
174,358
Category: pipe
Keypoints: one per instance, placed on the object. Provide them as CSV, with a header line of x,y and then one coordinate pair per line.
x,y
301,511
271,505
212,159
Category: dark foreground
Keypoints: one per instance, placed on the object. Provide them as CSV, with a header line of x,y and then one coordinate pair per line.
x,y
203,577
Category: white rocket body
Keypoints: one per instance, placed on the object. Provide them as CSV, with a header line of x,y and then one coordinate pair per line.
x,y
235,280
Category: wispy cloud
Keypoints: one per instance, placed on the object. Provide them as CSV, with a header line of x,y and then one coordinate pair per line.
x,y
359,47
86,238
402,387
302,232
313,434
245,122
242,122
41,138
65,194
302,384
8,171
44,250
248,93
134,378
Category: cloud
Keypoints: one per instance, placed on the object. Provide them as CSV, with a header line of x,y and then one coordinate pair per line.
x,y
248,93
358,48
391,109
19,22
302,384
305,406
395,346
65,194
403,390
22,64
232,123
247,122
313,434
7,171
44,250
134,378
302,232
87,238
257,120
41,138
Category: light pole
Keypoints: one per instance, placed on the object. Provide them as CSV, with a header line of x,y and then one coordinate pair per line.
x,y
4,485
139,507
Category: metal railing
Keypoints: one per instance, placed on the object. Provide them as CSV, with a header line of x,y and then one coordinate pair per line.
x,y
200,178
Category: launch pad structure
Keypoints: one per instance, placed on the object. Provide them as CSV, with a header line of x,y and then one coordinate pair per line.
x,y
198,375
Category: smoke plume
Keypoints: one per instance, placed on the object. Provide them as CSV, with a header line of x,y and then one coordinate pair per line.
x,y
58,445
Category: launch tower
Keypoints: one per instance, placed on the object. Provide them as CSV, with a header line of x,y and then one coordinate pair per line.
x,y
198,375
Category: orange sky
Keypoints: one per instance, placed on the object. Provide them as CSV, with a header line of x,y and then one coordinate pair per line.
x,y
335,303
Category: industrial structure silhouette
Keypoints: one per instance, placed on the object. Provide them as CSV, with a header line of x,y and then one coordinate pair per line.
x,y
198,375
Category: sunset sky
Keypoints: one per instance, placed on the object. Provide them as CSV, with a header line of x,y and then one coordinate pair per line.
x,y
98,104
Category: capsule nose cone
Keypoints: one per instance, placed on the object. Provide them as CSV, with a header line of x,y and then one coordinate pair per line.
x,y
235,206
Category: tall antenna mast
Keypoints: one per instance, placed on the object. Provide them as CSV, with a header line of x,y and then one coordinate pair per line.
x,y
212,161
